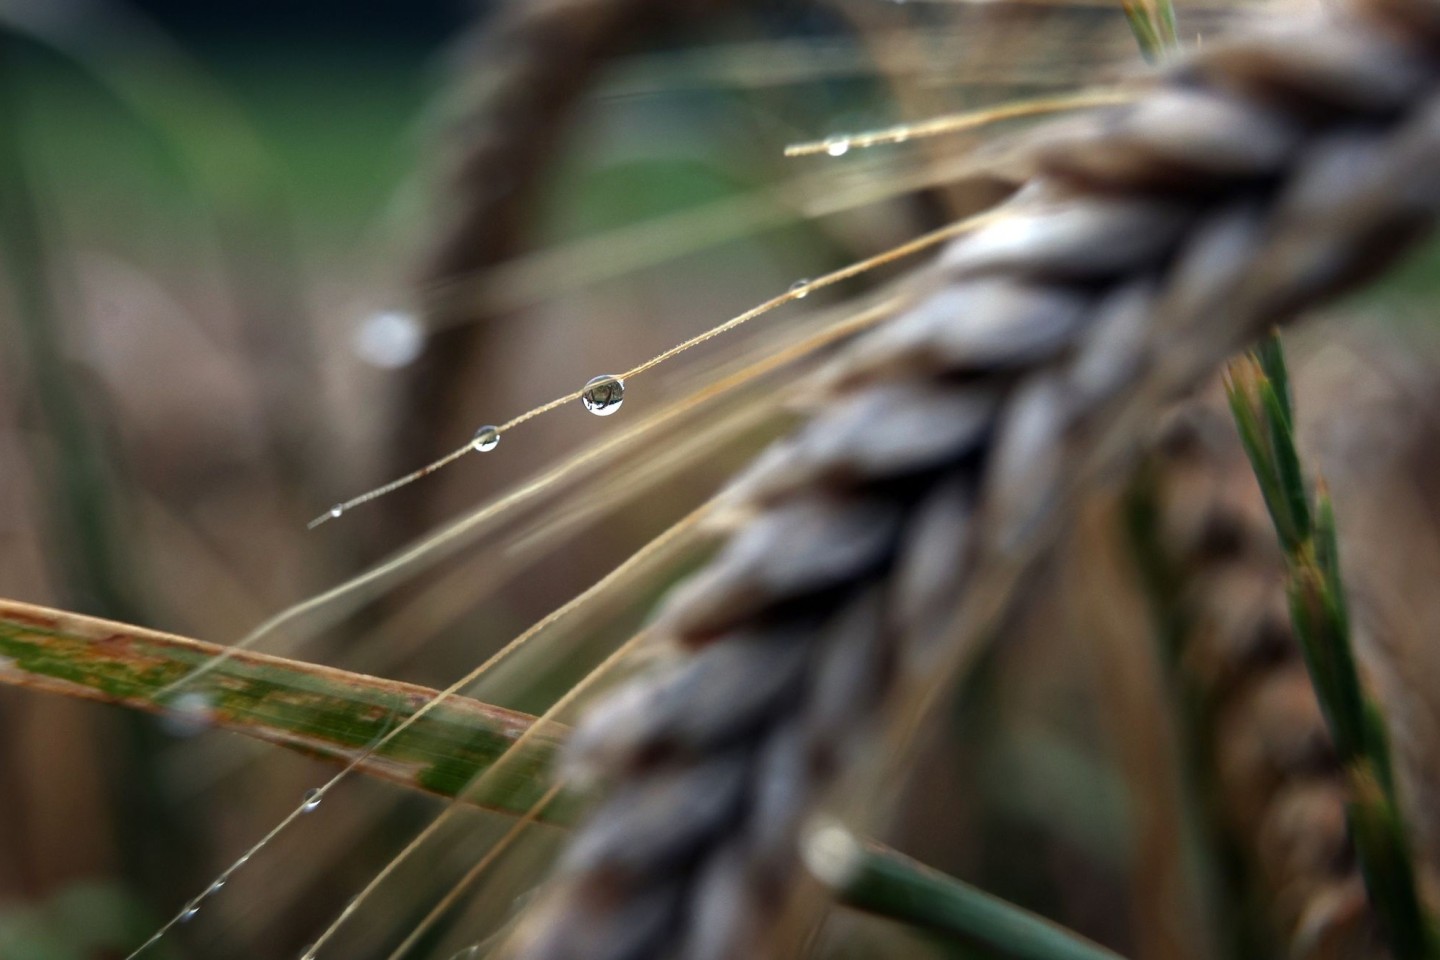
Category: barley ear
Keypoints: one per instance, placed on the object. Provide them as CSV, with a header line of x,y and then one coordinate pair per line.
x,y
1259,177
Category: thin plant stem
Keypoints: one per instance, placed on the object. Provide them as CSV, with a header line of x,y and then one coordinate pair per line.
x,y
873,878
969,120
1258,386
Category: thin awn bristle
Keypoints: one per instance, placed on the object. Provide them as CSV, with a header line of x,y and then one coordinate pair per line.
x,y
307,803
504,843
538,276
442,602
381,647
840,144
797,292
456,805
656,548
440,545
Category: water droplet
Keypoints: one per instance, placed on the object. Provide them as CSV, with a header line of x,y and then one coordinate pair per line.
x,y
487,438
189,912
603,395
389,339
216,887
338,509
188,714
311,800
801,288
837,146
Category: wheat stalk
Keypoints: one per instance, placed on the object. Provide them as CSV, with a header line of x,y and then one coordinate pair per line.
x,y
1257,178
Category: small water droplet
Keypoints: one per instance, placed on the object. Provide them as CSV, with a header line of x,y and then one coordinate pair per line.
x,y
389,339
189,912
311,800
216,887
837,146
603,395
487,438
188,714
338,509
801,288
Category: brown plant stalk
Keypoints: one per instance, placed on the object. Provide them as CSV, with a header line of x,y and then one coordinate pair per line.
x,y
1257,178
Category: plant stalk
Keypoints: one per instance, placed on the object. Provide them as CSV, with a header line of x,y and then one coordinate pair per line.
x,y
1258,386
876,879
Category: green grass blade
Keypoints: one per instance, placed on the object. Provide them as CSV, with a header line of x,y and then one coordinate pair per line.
x,y
1272,362
1286,464
317,710
1240,392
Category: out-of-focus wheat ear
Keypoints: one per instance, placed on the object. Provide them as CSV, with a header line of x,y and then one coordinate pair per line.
x,y
524,68
1123,274
1264,758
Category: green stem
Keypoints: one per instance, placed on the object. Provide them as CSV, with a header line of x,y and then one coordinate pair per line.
x,y
873,878
1259,390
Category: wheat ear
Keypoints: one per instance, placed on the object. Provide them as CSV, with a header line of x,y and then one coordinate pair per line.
x,y
1273,775
1258,177
526,67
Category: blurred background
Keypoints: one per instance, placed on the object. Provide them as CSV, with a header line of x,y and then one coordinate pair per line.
x,y
256,258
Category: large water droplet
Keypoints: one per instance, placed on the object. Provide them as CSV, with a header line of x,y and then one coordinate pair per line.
x,y
390,339
837,146
189,912
311,800
801,288
216,887
338,509
487,438
603,395
188,714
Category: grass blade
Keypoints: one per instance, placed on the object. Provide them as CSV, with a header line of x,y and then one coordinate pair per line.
x,y
318,710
